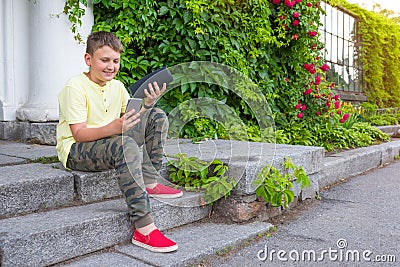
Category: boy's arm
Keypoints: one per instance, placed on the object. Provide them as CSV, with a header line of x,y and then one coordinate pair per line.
x,y
82,133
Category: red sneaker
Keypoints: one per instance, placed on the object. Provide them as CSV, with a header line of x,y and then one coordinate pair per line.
x,y
155,241
162,191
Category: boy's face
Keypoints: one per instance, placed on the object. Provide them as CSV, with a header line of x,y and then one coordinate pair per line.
x,y
104,64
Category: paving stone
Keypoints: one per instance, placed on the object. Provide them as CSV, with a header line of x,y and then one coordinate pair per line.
x,y
26,151
8,160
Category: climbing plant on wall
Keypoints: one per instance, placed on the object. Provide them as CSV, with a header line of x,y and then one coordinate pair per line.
x,y
380,54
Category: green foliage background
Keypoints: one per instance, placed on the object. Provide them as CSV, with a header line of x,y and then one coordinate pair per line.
x,y
260,40
248,35
380,38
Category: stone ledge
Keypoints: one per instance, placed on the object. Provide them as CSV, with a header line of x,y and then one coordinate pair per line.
x,y
392,130
356,161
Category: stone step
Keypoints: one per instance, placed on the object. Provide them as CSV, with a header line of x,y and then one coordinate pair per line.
x,y
31,187
195,242
44,238
50,185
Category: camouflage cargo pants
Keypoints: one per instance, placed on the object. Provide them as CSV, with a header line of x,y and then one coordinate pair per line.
x,y
122,153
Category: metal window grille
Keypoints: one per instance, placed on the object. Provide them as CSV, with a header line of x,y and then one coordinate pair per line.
x,y
342,49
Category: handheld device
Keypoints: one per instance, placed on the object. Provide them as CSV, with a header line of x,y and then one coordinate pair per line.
x,y
160,76
134,103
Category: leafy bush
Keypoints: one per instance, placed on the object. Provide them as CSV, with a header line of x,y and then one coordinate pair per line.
x,y
275,187
383,119
195,174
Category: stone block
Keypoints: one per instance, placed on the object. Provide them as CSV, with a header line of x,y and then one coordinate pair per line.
x,y
14,130
310,158
95,186
43,133
30,187
313,189
390,151
273,211
349,163
238,210
169,213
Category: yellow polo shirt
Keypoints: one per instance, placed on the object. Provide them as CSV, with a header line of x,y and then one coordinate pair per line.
x,y
82,100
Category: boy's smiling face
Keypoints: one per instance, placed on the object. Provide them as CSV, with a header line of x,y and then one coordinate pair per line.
x,y
104,64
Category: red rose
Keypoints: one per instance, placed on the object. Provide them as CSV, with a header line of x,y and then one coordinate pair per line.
x,y
308,91
318,113
289,3
309,4
296,15
317,80
295,36
337,104
314,33
300,115
303,107
325,67
276,2
298,106
296,22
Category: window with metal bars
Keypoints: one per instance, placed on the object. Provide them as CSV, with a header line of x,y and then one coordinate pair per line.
x,y
342,49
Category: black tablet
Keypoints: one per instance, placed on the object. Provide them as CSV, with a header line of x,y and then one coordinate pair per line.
x,y
160,76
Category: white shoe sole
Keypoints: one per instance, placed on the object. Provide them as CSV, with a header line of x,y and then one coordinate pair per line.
x,y
166,195
155,249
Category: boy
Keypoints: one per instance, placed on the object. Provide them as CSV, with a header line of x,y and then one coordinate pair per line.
x,y
89,135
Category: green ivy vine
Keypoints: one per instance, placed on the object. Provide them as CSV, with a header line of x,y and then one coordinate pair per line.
x,y
380,38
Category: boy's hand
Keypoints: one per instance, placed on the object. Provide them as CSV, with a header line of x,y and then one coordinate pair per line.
x,y
153,93
130,119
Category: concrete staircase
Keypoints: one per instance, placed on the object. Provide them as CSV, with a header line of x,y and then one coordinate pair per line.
x,y
51,216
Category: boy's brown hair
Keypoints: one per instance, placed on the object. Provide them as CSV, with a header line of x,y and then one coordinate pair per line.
x,y
97,40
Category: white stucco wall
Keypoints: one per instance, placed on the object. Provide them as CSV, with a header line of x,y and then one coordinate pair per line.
x,y
38,54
